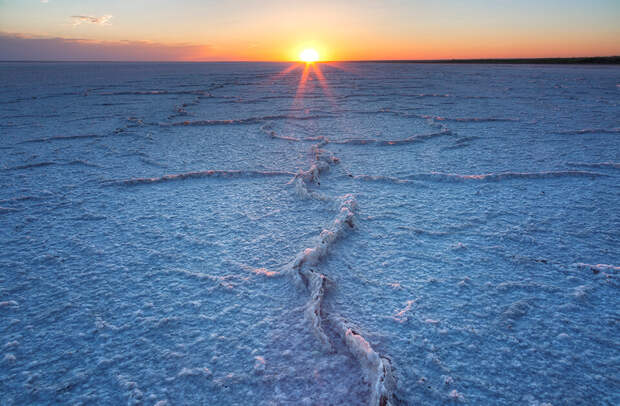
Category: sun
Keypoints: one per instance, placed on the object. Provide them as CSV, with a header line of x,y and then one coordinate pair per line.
x,y
309,55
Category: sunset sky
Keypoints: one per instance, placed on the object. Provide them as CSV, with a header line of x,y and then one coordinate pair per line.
x,y
277,30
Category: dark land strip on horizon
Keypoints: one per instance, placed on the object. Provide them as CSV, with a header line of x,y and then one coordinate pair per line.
x,y
597,60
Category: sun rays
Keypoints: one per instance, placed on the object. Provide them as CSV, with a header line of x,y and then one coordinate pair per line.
x,y
311,78
309,74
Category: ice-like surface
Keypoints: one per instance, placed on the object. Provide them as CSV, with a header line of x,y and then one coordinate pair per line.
x,y
392,234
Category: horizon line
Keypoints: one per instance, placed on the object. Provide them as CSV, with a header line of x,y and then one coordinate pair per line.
x,y
608,60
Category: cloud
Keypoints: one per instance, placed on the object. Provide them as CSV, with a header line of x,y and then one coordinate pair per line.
x,y
103,20
45,1
23,47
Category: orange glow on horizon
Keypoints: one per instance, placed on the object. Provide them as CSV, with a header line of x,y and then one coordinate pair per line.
x,y
435,47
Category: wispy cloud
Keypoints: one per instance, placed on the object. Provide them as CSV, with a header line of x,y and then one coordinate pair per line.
x,y
45,1
29,47
103,20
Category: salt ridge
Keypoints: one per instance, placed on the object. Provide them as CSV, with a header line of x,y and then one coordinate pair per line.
x,y
376,368
199,174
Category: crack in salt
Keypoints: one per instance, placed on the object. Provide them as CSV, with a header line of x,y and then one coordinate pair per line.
x,y
376,368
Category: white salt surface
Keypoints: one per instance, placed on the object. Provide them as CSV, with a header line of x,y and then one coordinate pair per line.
x,y
398,234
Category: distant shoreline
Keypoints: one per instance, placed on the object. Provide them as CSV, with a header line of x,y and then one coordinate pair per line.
x,y
594,60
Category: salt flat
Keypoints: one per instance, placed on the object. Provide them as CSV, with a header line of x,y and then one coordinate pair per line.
x,y
225,234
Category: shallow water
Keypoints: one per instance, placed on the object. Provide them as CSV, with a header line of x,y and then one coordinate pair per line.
x,y
221,234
